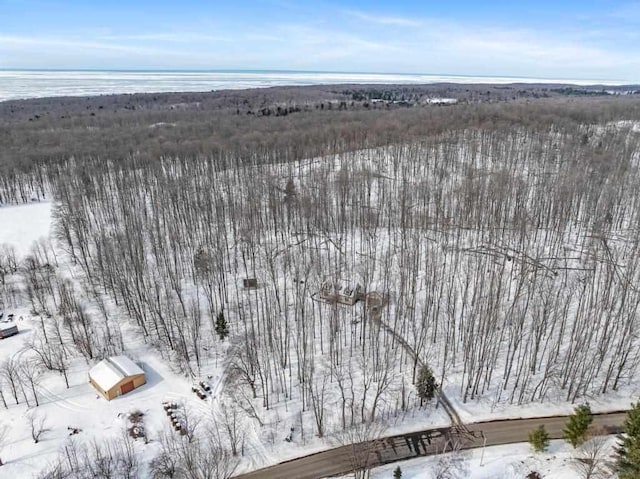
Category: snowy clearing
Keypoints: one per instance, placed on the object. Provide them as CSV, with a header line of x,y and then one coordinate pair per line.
x,y
21,225
82,409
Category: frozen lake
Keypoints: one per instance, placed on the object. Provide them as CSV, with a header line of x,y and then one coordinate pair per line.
x,y
17,84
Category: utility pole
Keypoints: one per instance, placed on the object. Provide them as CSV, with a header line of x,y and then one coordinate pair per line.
x,y
484,443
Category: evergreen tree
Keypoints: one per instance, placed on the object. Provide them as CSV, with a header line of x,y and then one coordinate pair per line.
x,y
289,190
221,326
397,473
426,384
575,432
539,439
628,451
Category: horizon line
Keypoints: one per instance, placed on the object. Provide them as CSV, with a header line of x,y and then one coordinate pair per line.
x,y
239,70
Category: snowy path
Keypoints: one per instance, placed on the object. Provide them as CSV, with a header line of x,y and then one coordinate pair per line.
x,y
64,402
442,398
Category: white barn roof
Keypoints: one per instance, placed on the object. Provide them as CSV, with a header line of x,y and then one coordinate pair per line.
x,y
110,371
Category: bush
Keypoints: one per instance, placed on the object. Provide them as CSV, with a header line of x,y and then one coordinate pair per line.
x,y
426,384
628,451
539,439
577,426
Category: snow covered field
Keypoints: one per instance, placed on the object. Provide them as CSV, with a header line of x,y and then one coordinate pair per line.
x,y
21,225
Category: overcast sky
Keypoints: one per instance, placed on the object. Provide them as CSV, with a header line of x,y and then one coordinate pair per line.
x,y
547,39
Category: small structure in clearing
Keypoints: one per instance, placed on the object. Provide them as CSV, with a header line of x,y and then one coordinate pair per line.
x,y
115,376
8,329
341,292
250,283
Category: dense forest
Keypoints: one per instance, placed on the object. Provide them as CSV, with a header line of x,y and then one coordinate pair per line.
x,y
501,235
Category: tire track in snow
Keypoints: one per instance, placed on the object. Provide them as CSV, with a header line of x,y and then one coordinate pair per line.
x,y
61,401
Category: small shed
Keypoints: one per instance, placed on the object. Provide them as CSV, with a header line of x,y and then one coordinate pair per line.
x,y
250,283
8,329
115,376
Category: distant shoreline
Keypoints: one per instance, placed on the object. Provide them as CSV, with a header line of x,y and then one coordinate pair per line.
x,y
526,79
43,83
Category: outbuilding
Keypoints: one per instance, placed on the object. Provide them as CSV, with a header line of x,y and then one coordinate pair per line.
x,y
115,376
8,329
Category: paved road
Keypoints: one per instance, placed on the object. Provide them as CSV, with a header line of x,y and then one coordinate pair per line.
x,y
345,459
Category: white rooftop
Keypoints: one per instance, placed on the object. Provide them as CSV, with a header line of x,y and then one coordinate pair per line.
x,y
5,325
110,371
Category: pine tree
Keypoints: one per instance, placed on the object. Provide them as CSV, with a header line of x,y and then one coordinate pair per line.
x,y
426,384
575,432
222,329
539,439
289,190
397,473
628,451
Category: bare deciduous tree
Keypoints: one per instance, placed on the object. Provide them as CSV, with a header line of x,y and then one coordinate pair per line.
x,y
110,458
38,426
11,375
452,462
592,458
4,431
30,374
361,443
232,417
202,458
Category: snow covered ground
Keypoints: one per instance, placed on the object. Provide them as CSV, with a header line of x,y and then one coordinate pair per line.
x,y
79,407
497,462
484,409
21,225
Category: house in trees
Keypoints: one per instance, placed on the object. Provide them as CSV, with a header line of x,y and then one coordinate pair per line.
x,y
341,292
115,376
8,329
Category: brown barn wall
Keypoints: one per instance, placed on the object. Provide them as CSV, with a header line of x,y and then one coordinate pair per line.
x,y
139,380
112,393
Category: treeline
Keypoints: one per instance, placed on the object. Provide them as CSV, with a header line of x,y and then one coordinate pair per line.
x,y
28,148
37,109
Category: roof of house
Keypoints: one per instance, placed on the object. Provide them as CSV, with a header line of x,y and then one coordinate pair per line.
x,y
342,287
5,326
110,371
